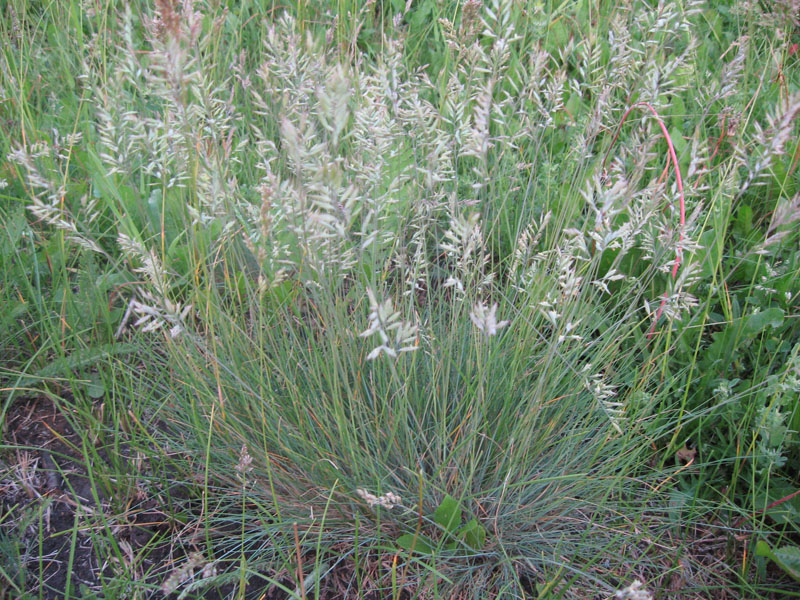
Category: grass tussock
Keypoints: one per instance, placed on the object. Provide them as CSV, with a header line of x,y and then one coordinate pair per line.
x,y
383,319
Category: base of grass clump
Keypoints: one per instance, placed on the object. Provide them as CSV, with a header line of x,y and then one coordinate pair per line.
x,y
452,467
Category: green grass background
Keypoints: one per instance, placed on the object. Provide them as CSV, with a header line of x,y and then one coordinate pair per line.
x,y
201,217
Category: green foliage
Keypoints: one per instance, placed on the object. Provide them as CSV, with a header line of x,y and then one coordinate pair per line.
x,y
398,245
786,557
455,535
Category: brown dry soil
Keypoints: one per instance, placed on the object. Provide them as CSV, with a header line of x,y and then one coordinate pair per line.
x,y
55,522
50,516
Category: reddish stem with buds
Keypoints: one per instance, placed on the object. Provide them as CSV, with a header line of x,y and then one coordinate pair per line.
x,y
671,157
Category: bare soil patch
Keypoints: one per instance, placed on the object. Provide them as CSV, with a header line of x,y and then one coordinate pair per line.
x,y
56,523
53,513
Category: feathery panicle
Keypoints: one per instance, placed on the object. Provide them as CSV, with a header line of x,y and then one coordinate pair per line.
x,y
396,336
485,319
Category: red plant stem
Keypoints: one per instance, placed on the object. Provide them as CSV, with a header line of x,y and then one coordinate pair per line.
x,y
674,157
766,508
722,135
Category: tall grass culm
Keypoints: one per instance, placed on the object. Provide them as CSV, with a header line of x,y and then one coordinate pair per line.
x,y
417,323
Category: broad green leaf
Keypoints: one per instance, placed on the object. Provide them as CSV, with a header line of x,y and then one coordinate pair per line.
x,y
680,145
763,549
95,388
558,34
448,514
758,322
574,105
677,141
415,542
744,219
678,113
420,16
13,229
474,534
786,557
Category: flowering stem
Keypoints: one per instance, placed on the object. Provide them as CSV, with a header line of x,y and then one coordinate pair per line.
x,y
673,156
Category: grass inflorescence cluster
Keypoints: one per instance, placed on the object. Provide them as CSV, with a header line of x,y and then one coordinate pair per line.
x,y
399,300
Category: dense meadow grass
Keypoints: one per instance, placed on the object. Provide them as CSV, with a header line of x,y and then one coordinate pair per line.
x,y
426,299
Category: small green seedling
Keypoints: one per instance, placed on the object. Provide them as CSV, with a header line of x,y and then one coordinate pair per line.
x,y
456,534
786,557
